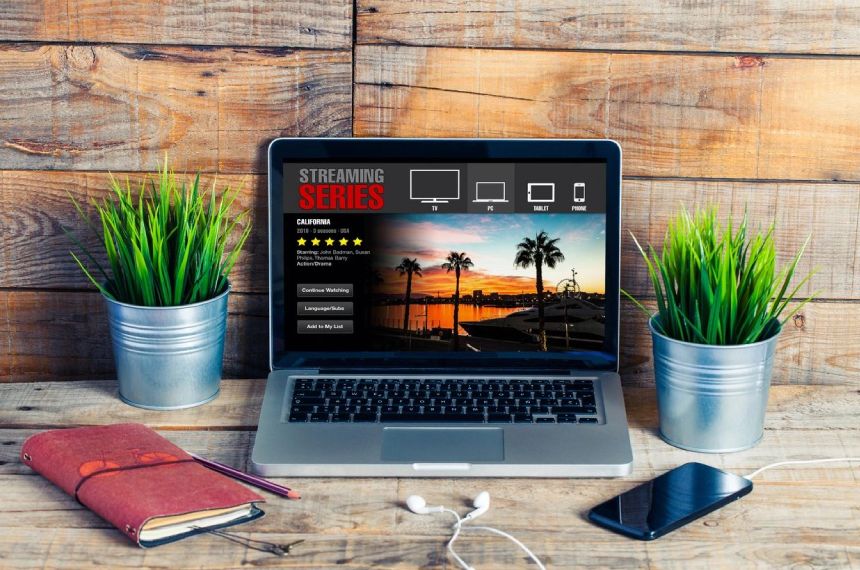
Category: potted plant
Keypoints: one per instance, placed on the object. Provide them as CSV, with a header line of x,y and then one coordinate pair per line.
x,y
170,248
720,307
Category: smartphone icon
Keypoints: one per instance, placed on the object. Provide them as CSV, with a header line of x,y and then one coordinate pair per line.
x,y
579,192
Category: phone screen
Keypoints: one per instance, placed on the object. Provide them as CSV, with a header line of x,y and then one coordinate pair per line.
x,y
670,501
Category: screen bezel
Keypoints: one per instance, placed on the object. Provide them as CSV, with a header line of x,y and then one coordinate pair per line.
x,y
425,150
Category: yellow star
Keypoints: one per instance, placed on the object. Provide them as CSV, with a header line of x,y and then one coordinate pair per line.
x,y
329,241
344,241
315,241
302,241
357,241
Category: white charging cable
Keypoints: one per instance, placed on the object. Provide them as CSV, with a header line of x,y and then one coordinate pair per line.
x,y
798,462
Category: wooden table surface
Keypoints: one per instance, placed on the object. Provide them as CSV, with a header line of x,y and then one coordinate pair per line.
x,y
795,517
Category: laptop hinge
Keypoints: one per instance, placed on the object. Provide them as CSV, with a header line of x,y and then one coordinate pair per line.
x,y
413,371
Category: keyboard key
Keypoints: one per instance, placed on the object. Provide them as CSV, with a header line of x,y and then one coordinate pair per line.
x,y
308,401
574,410
409,418
544,420
588,420
363,417
454,400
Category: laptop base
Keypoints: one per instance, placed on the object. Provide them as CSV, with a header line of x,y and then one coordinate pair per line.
x,y
441,449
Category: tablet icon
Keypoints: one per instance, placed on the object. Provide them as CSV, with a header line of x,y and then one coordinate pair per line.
x,y
490,192
541,192
434,186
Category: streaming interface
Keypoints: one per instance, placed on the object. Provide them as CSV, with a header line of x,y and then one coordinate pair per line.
x,y
491,256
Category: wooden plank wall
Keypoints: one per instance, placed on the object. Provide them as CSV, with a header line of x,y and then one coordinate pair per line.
x,y
750,105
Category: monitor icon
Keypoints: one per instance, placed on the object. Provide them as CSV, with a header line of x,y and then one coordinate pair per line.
x,y
490,192
541,192
434,186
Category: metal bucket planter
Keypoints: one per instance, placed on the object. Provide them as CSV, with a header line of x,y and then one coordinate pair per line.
x,y
712,399
168,358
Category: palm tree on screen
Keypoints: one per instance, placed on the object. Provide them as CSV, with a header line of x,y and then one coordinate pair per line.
x,y
539,251
408,267
457,262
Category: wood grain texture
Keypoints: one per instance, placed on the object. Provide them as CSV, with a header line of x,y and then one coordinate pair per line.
x,y
279,23
63,335
34,248
793,26
123,107
827,214
44,405
709,547
746,117
788,435
819,345
343,527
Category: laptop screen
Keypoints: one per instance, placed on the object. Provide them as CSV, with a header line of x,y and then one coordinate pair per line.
x,y
491,257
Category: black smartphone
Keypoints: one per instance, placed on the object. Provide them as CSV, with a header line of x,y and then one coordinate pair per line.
x,y
670,501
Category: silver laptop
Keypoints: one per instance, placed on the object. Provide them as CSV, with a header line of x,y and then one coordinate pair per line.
x,y
426,323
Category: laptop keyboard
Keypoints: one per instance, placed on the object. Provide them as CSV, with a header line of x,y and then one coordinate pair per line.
x,y
393,400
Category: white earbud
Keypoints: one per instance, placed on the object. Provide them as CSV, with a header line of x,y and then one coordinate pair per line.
x,y
481,504
419,506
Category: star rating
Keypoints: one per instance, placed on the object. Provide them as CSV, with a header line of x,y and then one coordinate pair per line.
x,y
329,241
356,241
315,241
302,241
343,241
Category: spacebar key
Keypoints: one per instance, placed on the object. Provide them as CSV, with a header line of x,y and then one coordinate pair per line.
x,y
389,417
431,418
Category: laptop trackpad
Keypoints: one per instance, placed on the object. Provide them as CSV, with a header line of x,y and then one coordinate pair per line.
x,y
443,445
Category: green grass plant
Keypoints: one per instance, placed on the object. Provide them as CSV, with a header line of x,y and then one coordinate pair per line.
x,y
167,244
718,285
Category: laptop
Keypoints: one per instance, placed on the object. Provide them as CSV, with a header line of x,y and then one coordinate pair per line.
x,y
426,323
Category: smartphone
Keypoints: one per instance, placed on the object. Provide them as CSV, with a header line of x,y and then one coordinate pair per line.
x,y
670,501
579,192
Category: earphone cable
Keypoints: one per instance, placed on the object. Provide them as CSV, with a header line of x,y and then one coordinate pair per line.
x,y
512,539
457,526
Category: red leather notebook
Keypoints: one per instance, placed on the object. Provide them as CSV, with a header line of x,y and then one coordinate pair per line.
x,y
148,488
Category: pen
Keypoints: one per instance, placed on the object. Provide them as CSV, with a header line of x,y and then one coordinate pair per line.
x,y
246,477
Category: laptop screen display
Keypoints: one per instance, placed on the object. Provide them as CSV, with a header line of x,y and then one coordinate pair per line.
x,y
490,257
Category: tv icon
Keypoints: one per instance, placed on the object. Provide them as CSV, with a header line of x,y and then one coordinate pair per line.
x,y
434,186
490,192
541,192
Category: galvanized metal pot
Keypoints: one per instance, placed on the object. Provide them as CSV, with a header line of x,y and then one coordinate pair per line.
x,y
712,399
168,358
